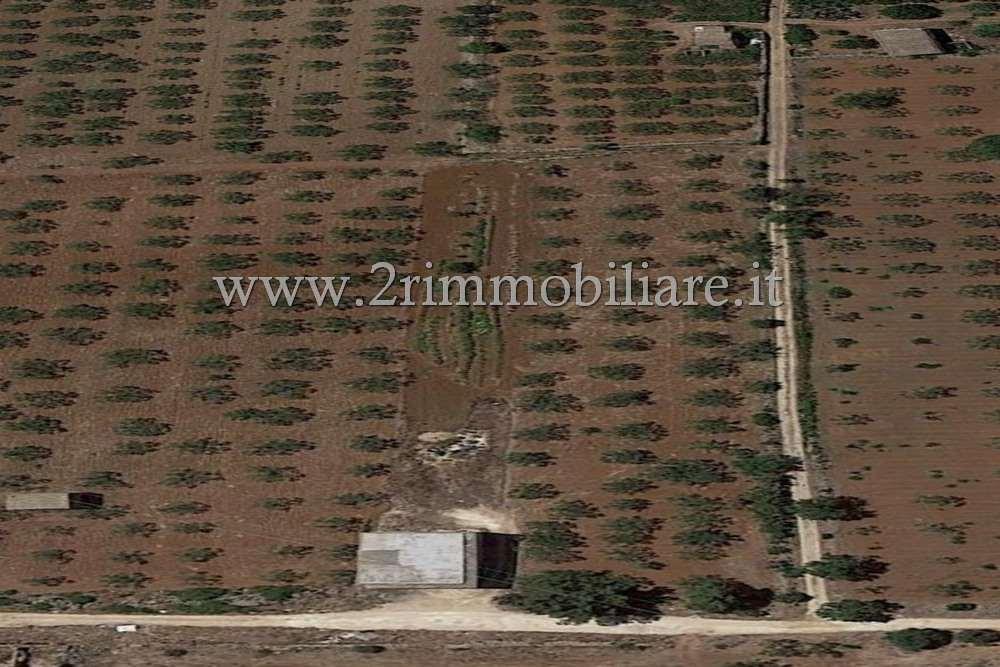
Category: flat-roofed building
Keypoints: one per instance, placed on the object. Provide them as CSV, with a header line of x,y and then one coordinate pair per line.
x,y
52,501
436,560
908,41
713,36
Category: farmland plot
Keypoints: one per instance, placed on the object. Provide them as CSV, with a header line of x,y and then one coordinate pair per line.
x,y
297,412
134,83
240,450
638,440
236,446
902,292
573,77
637,430
294,82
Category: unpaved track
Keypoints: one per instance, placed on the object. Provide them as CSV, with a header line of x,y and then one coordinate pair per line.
x,y
473,611
810,544
477,620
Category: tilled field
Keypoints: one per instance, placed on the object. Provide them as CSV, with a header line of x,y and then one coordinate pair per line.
x,y
902,293
148,146
151,145
139,82
630,419
233,446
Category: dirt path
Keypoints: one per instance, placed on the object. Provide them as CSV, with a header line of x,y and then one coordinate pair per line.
x,y
810,544
471,611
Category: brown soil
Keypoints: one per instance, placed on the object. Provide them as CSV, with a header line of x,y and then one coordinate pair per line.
x,y
578,472
512,107
247,533
216,36
924,464
323,480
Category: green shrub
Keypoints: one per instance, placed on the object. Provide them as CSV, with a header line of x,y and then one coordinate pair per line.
x,y
987,30
533,491
694,472
579,596
846,568
877,98
800,35
855,42
913,640
850,610
978,637
716,595
911,11
552,541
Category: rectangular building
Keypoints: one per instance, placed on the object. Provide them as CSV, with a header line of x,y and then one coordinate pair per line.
x,y
908,41
713,36
52,501
436,560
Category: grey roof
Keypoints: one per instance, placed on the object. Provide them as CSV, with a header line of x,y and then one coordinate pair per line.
x,y
417,559
907,41
712,35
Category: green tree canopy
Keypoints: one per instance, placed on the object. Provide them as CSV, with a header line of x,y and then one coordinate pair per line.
x,y
868,611
832,508
579,596
717,595
984,148
846,568
919,639
911,11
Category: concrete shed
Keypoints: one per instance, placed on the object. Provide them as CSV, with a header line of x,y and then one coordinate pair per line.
x,y
908,41
713,36
52,501
436,560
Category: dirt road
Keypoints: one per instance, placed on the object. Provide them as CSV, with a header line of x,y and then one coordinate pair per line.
x,y
810,545
472,611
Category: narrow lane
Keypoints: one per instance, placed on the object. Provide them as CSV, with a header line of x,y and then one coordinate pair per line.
x,y
810,542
